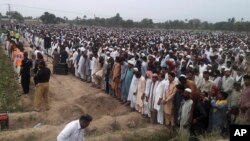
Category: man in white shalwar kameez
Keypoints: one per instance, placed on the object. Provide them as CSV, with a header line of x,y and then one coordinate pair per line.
x,y
160,90
94,66
80,66
146,93
185,109
132,90
150,98
139,92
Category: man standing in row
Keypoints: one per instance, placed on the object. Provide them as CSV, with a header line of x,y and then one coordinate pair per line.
x,y
56,59
168,101
245,98
25,73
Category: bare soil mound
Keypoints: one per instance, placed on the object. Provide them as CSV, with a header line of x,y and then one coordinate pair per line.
x,y
101,104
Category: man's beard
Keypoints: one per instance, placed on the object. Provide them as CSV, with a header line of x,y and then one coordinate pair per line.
x,y
82,127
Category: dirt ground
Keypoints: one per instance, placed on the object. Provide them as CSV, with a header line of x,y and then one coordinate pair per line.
x,y
68,99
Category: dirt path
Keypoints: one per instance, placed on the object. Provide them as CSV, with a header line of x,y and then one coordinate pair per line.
x,y
68,99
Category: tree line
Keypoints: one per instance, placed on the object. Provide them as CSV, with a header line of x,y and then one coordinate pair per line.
x,y
117,21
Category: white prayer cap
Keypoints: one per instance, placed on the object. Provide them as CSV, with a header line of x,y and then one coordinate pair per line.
x,y
209,65
223,67
82,49
111,49
170,51
136,69
74,49
155,75
182,75
143,55
188,90
131,62
188,56
191,66
181,54
227,69
123,49
242,55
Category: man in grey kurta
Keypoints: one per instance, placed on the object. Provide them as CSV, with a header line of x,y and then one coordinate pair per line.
x,y
56,59
124,67
86,68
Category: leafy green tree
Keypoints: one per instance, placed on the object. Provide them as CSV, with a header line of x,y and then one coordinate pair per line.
x,y
128,23
15,15
48,18
194,23
147,23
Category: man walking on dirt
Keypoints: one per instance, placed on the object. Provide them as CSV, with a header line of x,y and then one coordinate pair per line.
x,y
74,131
42,87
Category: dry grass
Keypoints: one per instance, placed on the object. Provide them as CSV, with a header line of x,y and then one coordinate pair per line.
x,y
9,89
214,136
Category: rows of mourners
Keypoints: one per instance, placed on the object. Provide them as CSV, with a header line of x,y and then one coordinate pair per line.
x,y
194,80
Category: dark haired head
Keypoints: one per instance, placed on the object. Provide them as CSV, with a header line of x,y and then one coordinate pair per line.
x,y
206,72
85,120
25,55
246,77
86,117
196,71
182,79
224,94
39,56
172,74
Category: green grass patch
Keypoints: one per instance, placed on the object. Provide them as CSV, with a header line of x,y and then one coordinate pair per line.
x,y
8,85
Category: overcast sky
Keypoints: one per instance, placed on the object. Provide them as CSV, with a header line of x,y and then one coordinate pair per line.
x,y
158,10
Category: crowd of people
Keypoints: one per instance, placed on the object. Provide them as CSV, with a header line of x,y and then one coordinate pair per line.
x,y
28,63
196,80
